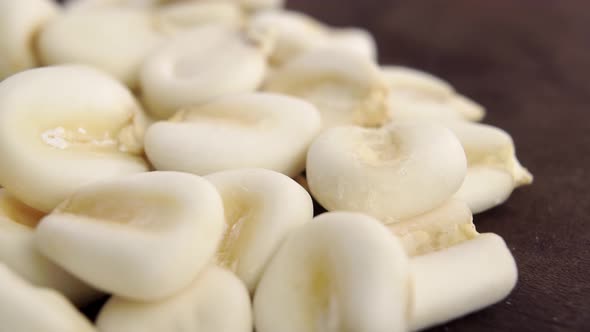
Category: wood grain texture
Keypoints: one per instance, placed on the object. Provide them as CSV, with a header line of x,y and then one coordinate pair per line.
x,y
528,62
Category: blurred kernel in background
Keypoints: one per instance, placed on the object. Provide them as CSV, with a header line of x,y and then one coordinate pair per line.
x,y
528,63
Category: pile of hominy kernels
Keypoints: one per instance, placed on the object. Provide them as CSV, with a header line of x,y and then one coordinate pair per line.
x,y
148,150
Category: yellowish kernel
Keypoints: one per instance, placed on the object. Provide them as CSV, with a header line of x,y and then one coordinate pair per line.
x,y
18,212
124,209
380,148
241,209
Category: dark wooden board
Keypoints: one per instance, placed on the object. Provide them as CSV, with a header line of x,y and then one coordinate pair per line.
x,y
528,62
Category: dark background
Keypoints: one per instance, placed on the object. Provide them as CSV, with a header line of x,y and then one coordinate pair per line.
x,y
528,63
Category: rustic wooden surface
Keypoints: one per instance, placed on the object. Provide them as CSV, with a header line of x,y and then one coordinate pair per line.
x,y
528,62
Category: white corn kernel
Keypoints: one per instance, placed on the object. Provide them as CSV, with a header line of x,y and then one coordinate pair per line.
x,y
298,33
200,65
260,4
143,237
340,272
346,272
493,169
443,227
176,17
355,40
347,88
392,173
18,252
62,127
20,22
459,280
417,95
255,130
247,5
27,308
261,208
89,5
215,301
115,40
